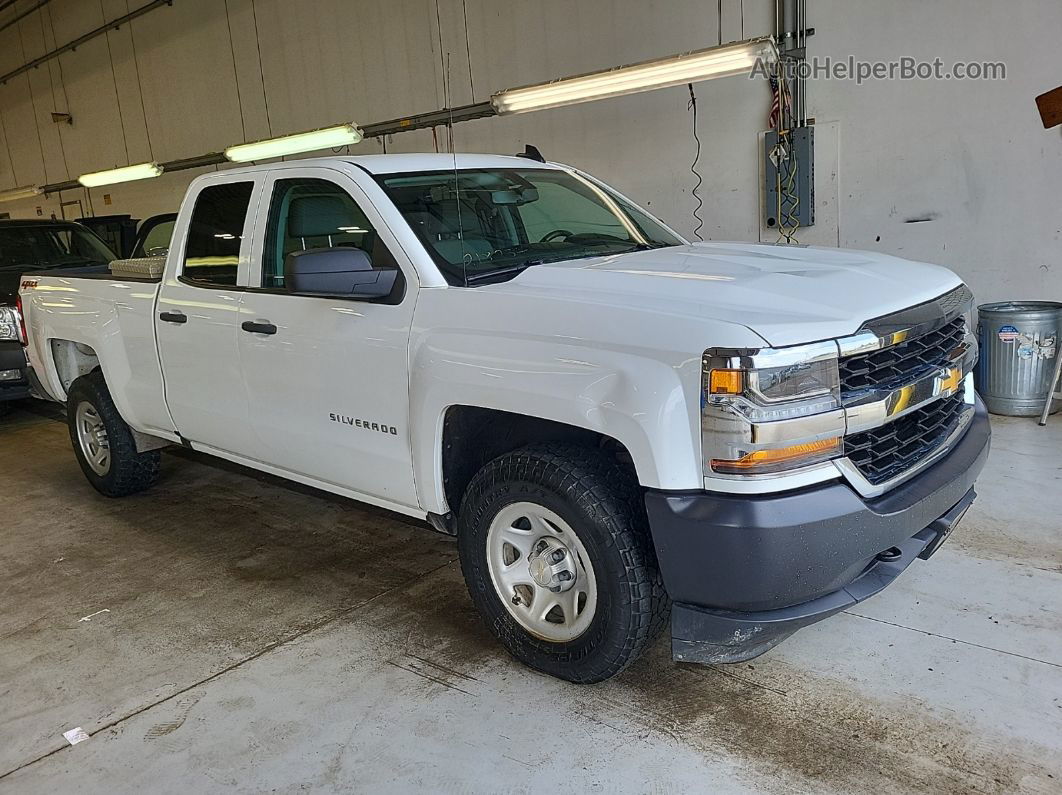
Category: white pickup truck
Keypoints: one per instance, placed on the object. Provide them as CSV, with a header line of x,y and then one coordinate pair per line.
x,y
618,426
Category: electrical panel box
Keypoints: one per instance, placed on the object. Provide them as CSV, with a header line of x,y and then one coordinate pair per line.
x,y
789,167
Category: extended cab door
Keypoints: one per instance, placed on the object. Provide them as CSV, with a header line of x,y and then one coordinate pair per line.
x,y
327,381
197,313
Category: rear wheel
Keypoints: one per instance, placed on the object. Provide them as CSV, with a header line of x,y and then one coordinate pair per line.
x,y
103,442
556,554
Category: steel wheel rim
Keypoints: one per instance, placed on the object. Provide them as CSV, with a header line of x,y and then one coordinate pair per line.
x,y
92,437
515,542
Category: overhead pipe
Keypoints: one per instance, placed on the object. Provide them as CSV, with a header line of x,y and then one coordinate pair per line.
x,y
435,118
419,121
199,161
14,20
114,24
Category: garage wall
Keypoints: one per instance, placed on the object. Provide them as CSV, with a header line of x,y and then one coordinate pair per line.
x,y
969,157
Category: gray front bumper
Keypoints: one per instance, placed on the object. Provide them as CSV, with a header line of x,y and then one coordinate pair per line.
x,y
745,572
722,636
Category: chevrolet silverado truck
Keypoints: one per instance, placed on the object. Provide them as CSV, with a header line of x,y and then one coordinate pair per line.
x,y
36,245
618,426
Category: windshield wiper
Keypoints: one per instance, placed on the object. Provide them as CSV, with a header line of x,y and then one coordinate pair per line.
x,y
650,246
472,278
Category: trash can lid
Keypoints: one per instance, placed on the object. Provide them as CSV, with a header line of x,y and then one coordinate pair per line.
x,y
1021,306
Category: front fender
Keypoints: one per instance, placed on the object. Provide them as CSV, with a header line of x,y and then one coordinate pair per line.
x,y
639,387
641,404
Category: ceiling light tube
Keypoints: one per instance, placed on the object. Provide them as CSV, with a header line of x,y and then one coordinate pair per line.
x,y
24,192
124,174
693,67
326,138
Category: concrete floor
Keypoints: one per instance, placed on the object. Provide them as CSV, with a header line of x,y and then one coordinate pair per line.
x,y
262,636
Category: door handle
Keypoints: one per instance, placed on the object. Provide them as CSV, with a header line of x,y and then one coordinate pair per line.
x,y
258,328
173,317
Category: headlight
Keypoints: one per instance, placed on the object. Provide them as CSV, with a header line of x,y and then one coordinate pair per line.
x,y
9,324
794,381
765,412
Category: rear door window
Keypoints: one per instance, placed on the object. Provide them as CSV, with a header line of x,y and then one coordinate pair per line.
x,y
212,253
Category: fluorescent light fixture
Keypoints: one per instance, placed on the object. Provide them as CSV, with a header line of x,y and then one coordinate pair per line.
x,y
25,192
675,70
125,174
325,138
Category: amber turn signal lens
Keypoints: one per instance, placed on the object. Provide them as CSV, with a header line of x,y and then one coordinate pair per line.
x,y
765,461
726,382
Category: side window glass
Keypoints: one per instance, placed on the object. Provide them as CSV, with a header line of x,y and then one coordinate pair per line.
x,y
212,254
312,214
156,242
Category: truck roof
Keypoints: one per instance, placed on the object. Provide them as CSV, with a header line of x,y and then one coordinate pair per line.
x,y
431,161
6,222
404,163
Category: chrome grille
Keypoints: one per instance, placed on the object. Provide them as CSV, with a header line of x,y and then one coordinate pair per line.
x,y
883,453
898,365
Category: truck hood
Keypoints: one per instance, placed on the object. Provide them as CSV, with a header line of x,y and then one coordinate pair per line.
x,y
786,294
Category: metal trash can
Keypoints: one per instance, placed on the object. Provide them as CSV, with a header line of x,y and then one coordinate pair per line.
x,y
1019,342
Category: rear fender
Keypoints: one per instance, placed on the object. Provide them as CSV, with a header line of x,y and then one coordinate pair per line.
x,y
75,325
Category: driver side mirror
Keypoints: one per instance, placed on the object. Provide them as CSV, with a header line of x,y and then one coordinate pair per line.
x,y
337,272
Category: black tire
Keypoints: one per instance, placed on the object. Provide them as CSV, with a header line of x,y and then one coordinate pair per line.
x,y
129,472
603,504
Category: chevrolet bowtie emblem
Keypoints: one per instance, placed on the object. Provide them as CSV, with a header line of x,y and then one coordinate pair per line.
x,y
950,380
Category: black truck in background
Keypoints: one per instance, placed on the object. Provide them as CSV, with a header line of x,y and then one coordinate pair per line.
x,y
36,245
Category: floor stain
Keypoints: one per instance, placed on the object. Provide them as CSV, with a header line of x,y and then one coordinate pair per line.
x,y
808,732
817,730
985,536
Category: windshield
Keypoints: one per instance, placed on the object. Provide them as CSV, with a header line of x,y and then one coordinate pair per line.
x,y
484,223
40,247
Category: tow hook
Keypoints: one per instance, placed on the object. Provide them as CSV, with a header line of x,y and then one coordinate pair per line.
x,y
890,554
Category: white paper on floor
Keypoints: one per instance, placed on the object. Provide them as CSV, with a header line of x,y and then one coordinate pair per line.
x,y
74,736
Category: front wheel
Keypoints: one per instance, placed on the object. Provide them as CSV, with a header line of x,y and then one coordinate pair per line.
x,y
557,557
103,442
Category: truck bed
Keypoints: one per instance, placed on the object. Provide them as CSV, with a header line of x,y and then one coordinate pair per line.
x,y
79,321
